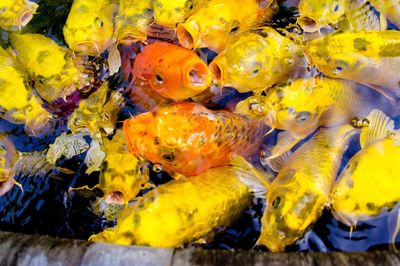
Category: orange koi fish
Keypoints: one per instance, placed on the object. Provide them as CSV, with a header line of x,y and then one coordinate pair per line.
x,y
187,138
174,72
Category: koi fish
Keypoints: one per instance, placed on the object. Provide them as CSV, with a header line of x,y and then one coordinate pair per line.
x,y
16,14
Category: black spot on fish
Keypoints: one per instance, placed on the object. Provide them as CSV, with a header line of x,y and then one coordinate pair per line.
x,y
42,56
371,206
156,141
349,183
136,220
361,44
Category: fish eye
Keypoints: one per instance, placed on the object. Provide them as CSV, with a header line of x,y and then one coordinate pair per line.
x,y
234,29
256,69
168,157
336,8
189,4
99,21
276,203
157,168
159,79
280,218
303,116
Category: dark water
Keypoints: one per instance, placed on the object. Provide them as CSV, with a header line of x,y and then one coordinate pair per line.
x,y
46,206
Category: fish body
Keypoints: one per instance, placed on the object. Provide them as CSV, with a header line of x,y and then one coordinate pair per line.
x,y
369,184
213,24
346,15
169,13
367,57
254,62
306,104
8,157
53,71
16,14
297,196
187,138
173,72
98,114
390,8
19,104
89,29
133,20
121,178
182,211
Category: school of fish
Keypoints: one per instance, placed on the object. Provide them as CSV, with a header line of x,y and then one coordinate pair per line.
x,y
307,91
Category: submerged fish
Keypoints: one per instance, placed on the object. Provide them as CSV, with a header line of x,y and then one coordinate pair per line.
x,y
16,14
256,61
8,157
306,104
169,13
173,72
366,57
345,15
212,25
184,211
98,114
17,101
187,138
50,67
297,196
132,21
89,29
369,184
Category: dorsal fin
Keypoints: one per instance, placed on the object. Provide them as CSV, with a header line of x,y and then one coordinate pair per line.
x,y
379,127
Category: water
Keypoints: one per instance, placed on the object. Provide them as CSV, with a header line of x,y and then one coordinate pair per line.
x,y
47,206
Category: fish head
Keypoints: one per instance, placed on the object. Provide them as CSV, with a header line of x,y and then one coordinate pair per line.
x,y
174,72
16,14
169,13
243,65
290,210
290,108
314,15
26,14
91,35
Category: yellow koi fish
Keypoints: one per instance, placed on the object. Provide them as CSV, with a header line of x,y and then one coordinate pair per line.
x,y
183,211
89,29
16,14
256,61
366,57
297,196
50,67
212,25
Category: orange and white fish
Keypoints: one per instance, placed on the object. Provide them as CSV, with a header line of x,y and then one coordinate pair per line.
x,y
187,138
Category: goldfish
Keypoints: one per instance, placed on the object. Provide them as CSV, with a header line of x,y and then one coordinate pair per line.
x,y
170,13
367,57
342,14
89,29
212,25
298,195
390,8
306,104
16,14
202,139
98,114
8,157
183,211
49,66
121,176
173,72
369,184
132,21
254,62
19,104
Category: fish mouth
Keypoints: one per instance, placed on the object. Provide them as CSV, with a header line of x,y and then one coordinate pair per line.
x,y
86,47
128,37
25,17
116,196
188,34
197,76
307,24
217,72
